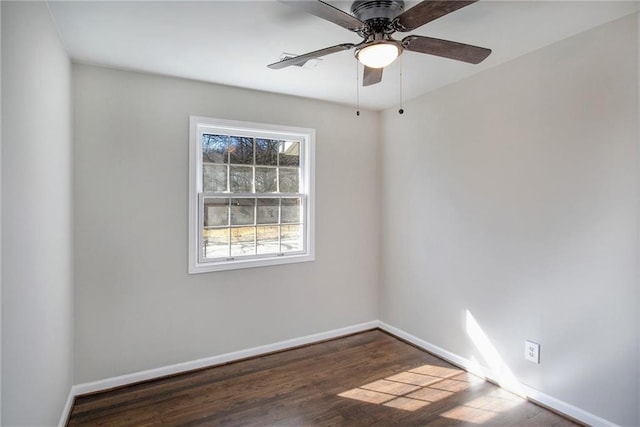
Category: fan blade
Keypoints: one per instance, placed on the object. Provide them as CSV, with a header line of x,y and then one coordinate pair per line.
x,y
446,49
301,59
326,11
371,76
427,11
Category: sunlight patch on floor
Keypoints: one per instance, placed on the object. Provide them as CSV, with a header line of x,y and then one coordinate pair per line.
x,y
416,388
484,408
406,404
367,395
413,389
391,387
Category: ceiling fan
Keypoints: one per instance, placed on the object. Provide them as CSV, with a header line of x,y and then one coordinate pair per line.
x,y
376,21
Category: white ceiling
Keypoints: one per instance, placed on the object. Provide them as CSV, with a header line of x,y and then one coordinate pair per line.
x,y
231,42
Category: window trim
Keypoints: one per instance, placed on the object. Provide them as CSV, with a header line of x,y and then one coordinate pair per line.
x,y
240,128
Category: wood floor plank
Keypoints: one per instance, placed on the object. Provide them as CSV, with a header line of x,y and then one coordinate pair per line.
x,y
366,379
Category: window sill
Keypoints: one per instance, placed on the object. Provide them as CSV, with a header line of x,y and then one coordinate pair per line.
x,y
196,268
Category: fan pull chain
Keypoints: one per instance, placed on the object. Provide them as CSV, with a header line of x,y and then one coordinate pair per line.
x,y
401,110
357,89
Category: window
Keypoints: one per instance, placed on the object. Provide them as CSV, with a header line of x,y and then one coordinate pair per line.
x,y
250,195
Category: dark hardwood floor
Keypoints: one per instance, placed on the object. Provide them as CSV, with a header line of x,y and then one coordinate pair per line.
x,y
368,379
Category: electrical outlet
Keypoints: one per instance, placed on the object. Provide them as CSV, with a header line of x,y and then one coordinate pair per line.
x,y
532,351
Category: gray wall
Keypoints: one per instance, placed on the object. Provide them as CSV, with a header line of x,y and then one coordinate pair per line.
x,y
136,306
37,273
514,195
0,214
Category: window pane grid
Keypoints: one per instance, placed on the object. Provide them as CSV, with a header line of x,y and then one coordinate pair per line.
x,y
246,225
238,241
253,165
252,192
236,211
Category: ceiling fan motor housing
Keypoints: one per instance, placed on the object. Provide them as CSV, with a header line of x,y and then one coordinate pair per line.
x,y
377,14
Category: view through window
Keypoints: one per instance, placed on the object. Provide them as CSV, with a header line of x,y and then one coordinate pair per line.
x,y
254,199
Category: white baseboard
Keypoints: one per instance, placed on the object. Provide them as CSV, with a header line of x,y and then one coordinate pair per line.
x,y
66,411
528,392
524,390
150,374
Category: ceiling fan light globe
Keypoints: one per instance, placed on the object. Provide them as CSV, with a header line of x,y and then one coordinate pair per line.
x,y
378,55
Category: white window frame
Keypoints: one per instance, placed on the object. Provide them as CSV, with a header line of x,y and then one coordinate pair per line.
x,y
306,136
